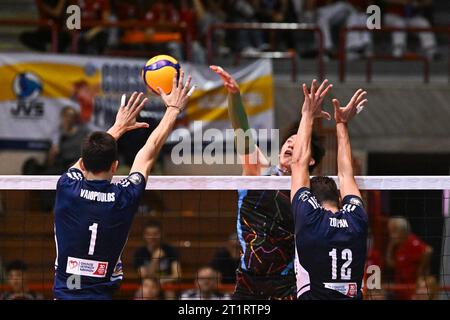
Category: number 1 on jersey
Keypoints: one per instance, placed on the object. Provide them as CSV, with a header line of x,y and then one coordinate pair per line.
x,y
93,229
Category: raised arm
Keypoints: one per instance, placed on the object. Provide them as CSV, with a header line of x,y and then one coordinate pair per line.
x,y
347,183
311,109
175,102
253,160
125,118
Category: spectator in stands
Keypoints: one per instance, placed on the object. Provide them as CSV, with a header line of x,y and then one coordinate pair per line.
x,y
329,14
240,11
16,273
358,43
410,13
93,40
65,148
427,289
156,258
210,12
226,260
165,12
407,255
54,10
66,144
208,281
376,294
150,289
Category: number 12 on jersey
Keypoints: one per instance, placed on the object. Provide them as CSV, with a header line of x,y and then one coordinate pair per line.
x,y
346,271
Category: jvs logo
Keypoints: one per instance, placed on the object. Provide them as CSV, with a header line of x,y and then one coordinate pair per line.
x,y
28,87
28,109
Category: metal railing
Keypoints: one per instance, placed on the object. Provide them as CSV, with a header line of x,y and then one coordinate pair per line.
x,y
295,27
343,52
125,24
54,30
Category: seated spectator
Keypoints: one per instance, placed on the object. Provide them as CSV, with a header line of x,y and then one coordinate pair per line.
x,y
66,144
54,10
156,258
410,13
376,294
16,276
427,289
358,43
248,41
329,14
226,260
407,255
208,281
150,289
208,13
93,40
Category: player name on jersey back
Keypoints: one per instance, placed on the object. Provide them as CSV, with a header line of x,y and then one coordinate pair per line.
x,y
338,223
98,196
84,267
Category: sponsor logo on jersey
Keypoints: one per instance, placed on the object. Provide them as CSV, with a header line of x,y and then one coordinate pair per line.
x,y
350,289
135,178
304,195
88,268
356,202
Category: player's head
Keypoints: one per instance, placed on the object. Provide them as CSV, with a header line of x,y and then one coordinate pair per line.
x,y
325,190
398,228
69,118
317,151
208,279
152,233
16,274
99,154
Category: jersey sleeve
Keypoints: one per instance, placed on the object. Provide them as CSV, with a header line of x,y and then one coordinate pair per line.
x,y
352,203
71,177
305,207
131,188
354,206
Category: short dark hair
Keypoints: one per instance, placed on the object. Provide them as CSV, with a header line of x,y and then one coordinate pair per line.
x,y
153,224
317,150
99,151
325,190
16,265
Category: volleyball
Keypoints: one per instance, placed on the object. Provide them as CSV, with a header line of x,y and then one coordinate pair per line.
x,y
159,72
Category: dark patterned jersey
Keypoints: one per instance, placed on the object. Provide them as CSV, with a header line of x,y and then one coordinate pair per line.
x,y
331,247
265,230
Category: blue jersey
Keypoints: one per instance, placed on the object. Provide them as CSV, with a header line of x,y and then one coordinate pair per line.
x,y
330,247
92,222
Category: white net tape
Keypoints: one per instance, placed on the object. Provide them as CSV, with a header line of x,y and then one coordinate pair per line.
x,y
239,182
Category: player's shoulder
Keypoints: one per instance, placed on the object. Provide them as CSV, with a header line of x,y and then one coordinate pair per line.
x,y
302,194
353,209
305,196
73,175
352,203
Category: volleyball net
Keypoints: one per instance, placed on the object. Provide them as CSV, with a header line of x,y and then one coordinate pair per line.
x,y
192,219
